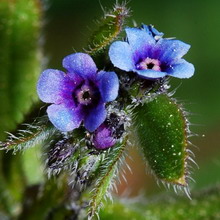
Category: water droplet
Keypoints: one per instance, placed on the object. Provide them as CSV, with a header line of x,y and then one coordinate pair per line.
x,y
166,86
171,67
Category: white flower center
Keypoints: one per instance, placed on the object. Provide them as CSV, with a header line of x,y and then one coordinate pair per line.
x,y
84,95
149,63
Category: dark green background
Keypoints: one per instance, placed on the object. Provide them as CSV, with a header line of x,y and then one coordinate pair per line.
x,y
68,24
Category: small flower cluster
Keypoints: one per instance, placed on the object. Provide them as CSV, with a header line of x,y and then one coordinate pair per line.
x,y
81,94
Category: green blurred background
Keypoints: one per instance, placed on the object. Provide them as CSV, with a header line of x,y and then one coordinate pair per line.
x,y
68,24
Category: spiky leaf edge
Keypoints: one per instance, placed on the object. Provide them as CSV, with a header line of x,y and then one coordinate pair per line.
x,y
29,137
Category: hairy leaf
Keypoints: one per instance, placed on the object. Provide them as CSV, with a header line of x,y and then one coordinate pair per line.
x,y
162,132
29,137
109,28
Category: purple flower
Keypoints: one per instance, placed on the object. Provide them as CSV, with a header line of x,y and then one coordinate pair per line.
x,y
103,138
78,95
109,132
150,55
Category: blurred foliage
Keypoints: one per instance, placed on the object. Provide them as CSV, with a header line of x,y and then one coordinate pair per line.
x,y
203,206
40,200
19,60
19,67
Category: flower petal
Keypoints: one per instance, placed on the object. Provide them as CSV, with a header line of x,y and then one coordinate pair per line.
x,y
50,86
63,118
171,50
121,56
150,74
95,117
80,63
139,38
182,69
108,85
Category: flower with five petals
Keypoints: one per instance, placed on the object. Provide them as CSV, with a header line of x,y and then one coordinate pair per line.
x,y
149,55
78,95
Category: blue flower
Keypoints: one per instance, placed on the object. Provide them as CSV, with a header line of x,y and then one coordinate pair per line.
x,y
150,55
78,95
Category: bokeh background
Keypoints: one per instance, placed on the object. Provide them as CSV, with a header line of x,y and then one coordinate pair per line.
x,y
68,24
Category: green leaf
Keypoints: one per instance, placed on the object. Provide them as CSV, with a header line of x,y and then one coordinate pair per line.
x,y
19,67
19,59
105,175
162,132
